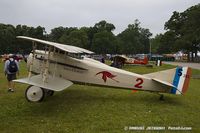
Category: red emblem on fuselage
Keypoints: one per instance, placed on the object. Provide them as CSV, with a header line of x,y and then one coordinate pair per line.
x,y
106,74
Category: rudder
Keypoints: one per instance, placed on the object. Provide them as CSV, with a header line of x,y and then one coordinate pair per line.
x,y
181,80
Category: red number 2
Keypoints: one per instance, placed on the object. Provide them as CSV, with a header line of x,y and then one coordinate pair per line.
x,y
140,81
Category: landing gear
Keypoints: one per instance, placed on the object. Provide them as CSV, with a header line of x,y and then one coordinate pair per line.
x,y
48,92
37,94
34,94
161,97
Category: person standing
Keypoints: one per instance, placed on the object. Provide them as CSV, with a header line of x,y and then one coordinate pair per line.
x,y
11,69
102,60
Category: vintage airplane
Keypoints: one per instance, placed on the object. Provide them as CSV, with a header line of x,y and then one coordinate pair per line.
x,y
118,61
134,61
59,66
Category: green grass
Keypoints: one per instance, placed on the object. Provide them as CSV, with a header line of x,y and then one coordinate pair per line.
x,y
144,69
89,109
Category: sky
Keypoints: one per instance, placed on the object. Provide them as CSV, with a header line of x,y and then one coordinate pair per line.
x,y
78,13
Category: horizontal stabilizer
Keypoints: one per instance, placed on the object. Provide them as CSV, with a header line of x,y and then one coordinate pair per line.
x,y
166,75
163,82
52,83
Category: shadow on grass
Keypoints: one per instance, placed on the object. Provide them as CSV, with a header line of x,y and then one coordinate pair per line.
x,y
83,99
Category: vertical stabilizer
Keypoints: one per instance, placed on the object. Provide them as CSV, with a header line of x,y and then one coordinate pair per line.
x,y
181,80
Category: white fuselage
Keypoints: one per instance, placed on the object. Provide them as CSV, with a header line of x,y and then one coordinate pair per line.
x,y
87,70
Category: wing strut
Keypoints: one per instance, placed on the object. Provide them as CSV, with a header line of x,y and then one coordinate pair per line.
x,y
55,66
34,45
46,69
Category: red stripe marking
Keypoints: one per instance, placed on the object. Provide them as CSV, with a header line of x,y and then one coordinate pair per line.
x,y
187,80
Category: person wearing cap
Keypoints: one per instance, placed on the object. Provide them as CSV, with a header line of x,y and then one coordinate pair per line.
x,y
11,69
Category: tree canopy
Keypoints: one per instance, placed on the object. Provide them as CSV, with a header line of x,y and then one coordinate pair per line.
x,y
135,39
183,33
9,43
99,38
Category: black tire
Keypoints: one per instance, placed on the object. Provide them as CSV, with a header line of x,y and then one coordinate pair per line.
x,y
161,97
49,92
34,94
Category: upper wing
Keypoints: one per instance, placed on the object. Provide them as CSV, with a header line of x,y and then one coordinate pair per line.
x,y
67,48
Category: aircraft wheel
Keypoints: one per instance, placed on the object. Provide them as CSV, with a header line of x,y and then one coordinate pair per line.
x,y
49,92
162,97
34,94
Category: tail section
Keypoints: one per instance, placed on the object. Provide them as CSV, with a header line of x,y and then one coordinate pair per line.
x,y
145,61
177,79
181,80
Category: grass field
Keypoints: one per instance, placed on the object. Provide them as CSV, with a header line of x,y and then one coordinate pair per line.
x,y
88,109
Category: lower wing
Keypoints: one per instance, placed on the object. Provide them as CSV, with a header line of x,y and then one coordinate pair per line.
x,y
52,83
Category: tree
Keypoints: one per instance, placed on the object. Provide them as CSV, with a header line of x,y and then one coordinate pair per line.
x,y
104,43
167,43
7,37
186,29
103,25
145,34
98,38
77,38
134,39
156,43
56,33
91,31
9,43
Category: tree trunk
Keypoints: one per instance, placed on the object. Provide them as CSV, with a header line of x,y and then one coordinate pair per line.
x,y
195,54
188,56
192,56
